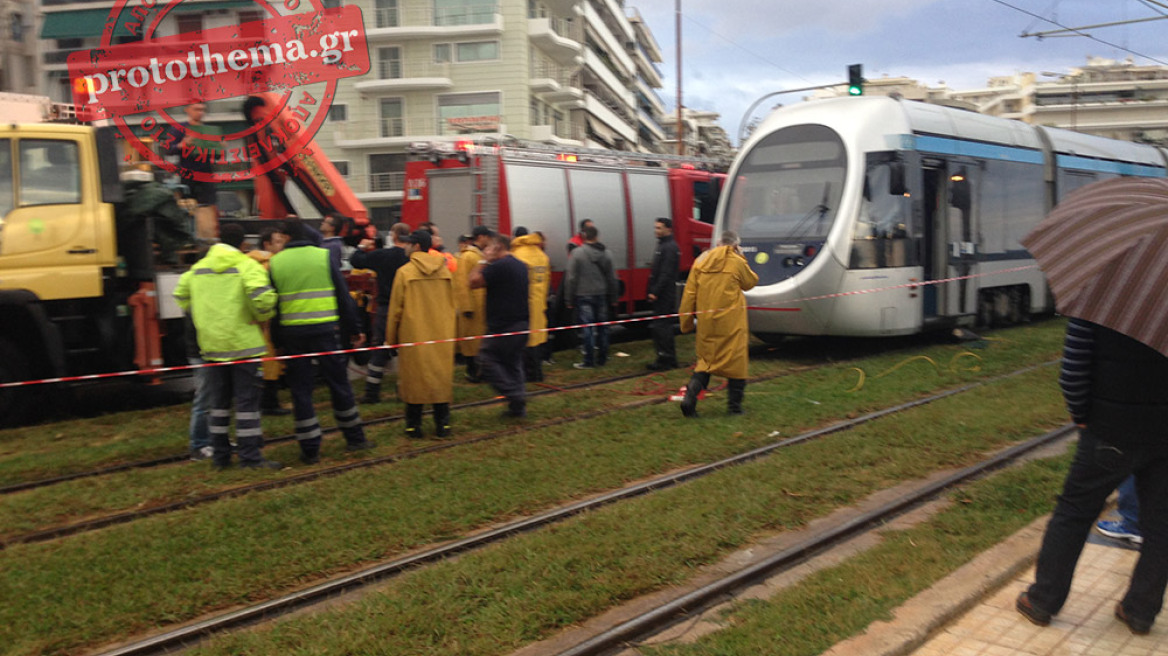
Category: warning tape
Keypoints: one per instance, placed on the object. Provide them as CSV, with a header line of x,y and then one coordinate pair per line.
x,y
366,349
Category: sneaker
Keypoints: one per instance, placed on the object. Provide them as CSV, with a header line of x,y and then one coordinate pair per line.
x,y
201,453
363,445
1138,627
1031,612
261,464
581,365
1119,531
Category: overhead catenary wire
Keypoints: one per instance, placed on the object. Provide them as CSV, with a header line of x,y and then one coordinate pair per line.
x,y
1079,32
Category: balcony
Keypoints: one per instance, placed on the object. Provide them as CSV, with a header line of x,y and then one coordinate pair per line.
x,y
558,37
397,132
651,124
378,186
647,68
614,46
412,23
600,70
563,135
557,82
397,75
596,107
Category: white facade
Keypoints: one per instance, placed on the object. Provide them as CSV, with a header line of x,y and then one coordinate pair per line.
x,y
19,68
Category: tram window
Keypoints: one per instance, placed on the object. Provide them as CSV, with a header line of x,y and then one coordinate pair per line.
x,y
881,235
1069,181
1012,201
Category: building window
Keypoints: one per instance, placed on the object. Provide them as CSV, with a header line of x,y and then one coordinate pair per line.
x,y
442,53
387,13
389,63
478,51
342,168
464,12
469,112
331,4
17,27
68,44
392,123
338,113
188,24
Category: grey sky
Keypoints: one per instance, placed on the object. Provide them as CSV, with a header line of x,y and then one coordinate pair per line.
x,y
737,50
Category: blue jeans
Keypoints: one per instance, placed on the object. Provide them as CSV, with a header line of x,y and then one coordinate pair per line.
x,y
593,309
1129,504
200,436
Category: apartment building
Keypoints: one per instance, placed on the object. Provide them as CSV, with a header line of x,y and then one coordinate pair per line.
x,y
702,136
18,47
567,72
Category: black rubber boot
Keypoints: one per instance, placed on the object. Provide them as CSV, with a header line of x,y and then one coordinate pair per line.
x,y
736,392
697,382
414,420
270,400
372,393
442,419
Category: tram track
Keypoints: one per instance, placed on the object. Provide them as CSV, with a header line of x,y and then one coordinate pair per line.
x,y
284,605
184,457
94,524
657,619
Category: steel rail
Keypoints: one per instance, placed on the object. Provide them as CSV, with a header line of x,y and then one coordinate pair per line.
x,y
188,635
183,457
627,633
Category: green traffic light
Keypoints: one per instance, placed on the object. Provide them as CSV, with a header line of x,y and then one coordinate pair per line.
x,y
855,91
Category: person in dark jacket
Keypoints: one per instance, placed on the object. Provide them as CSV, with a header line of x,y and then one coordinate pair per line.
x,y
501,358
313,304
384,262
591,286
663,294
1116,389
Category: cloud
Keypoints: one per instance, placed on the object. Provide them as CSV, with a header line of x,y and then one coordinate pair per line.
x,y
751,18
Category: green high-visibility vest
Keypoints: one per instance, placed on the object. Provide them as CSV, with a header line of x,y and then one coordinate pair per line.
x,y
302,276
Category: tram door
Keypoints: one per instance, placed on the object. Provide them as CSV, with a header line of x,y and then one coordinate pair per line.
x,y
950,238
935,256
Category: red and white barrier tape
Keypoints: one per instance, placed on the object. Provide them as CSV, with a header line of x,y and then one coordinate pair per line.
x,y
277,358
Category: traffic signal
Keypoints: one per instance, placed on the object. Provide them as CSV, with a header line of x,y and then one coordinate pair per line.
x,y
856,80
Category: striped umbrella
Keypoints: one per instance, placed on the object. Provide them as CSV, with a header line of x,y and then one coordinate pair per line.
x,y
1104,251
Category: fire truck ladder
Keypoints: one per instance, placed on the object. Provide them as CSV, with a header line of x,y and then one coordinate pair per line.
x,y
485,182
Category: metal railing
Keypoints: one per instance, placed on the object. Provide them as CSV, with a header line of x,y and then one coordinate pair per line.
x,y
382,182
397,69
384,128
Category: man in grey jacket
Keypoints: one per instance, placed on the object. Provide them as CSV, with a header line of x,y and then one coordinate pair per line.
x,y
591,287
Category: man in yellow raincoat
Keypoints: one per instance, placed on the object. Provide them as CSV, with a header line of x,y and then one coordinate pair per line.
x,y
714,288
421,308
472,303
528,248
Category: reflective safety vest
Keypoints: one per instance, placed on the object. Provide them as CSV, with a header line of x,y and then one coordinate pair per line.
x,y
302,276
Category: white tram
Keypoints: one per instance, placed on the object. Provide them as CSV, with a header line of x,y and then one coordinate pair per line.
x,y
857,194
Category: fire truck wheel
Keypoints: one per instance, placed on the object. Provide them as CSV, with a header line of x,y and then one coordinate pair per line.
x,y
14,404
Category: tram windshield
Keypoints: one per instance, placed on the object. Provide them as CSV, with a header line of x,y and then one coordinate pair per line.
x,y
789,186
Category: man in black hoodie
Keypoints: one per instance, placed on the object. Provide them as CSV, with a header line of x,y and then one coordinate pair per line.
x,y
591,286
663,295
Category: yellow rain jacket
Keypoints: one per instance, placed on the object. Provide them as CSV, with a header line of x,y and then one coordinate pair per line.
x,y
526,249
421,308
470,300
716,282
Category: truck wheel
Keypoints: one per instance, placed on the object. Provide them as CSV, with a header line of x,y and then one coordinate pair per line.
x,y
14,403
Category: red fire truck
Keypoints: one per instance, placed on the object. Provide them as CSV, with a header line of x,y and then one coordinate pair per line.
x,y
460,185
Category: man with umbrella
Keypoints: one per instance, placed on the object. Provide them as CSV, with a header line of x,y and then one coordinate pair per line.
x,y
1104,251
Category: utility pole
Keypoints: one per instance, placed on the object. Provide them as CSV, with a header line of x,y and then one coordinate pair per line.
x,y
680,125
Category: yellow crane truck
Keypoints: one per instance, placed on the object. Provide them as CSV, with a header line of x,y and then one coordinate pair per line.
x,y
81,289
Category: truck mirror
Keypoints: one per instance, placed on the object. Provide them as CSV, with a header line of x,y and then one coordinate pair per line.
x,y
107,165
